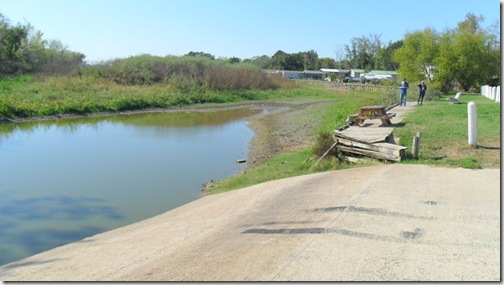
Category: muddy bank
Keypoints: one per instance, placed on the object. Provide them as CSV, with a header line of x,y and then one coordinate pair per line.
x,y
293,127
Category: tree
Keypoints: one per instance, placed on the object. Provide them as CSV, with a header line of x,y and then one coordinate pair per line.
x,y
417,55
344,64
23,50
310,60
200,54
11,38
60,59
467,59
287,61
263,61
278,60
339,55
469,56
384,58
471,24
33,50
326,62
234,60
294,61
363,51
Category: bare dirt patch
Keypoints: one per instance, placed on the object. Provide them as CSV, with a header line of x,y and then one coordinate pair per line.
x,y
291,128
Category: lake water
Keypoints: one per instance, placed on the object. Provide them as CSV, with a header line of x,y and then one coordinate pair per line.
x,y
64,180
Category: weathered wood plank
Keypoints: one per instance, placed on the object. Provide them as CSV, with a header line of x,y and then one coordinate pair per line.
x,y
357,130
365,137
370,153
372,142
387,148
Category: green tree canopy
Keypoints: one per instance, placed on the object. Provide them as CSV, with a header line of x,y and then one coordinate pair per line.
x,y
384,60
23,50
287,61
327,62
467,56
363,51
310,60
200,54
417,55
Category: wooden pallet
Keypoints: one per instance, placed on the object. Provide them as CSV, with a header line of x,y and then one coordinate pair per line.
x,y
373,142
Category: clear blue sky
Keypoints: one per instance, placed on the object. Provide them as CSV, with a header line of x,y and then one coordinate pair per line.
x,y
108,29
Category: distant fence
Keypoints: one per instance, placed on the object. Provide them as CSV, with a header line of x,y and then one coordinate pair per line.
x,y
491,92
350,86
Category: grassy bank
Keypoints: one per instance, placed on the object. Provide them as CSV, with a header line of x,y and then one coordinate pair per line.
x,y
444,141
445,133
137,83
25,96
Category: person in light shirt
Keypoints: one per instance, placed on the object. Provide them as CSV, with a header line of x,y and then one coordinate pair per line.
x,y
404,91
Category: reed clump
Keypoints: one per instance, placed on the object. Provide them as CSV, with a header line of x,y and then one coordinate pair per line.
x,y
186,73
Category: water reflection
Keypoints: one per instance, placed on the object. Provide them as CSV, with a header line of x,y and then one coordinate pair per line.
x,y
48,207
66,180
44,239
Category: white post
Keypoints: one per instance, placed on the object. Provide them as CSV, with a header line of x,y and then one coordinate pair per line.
x,y
493,93
497,97
416,144
472,129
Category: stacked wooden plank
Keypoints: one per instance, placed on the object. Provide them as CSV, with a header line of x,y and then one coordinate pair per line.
x,y
373,142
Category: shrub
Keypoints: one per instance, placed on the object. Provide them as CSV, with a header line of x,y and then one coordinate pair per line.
x,y
323,142
186,74
432,95
390,96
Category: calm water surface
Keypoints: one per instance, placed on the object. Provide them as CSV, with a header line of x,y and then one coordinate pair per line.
x,y
62,181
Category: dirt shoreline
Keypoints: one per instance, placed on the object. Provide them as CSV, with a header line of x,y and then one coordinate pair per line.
x,y
287,129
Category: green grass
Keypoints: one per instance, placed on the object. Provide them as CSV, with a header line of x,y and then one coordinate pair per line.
x,y
25,97
445,133
283,165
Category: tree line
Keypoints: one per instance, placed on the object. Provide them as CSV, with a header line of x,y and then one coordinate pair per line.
x,y
23,50
466,57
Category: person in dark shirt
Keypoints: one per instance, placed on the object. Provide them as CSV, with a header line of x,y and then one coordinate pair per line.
x,y
421,92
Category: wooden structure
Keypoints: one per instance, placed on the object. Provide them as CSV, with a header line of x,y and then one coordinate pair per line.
x,y
371,112
375,142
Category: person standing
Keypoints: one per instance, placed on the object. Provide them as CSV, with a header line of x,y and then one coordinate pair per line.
x,y
404,91
421,92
